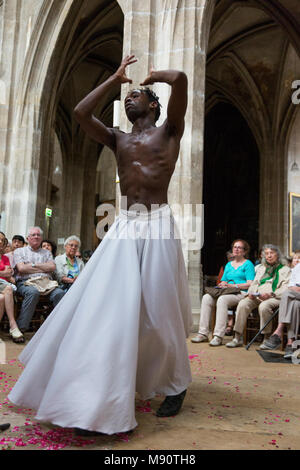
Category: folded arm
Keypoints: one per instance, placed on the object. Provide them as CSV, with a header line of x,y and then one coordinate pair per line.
x,y
26,268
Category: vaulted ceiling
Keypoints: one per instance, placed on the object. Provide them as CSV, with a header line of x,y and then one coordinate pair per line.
x,y
253,59
95,52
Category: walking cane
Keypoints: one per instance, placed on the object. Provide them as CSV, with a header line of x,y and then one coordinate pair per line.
x,y
270,319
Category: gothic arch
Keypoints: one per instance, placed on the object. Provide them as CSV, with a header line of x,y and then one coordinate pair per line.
x,y
66,37
258,52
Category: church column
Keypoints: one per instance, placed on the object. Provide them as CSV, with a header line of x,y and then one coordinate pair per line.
x,y
272,196
9,17
174,34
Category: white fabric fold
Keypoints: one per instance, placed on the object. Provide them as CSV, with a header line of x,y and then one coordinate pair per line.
x,y
120,329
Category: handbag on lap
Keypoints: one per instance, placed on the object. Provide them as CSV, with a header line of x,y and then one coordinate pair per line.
x,y
43,284
216,292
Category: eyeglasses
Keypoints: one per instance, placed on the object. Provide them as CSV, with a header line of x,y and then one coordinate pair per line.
x,y
239,247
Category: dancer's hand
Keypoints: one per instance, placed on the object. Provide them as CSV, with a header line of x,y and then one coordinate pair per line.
x,y
150,79
121,72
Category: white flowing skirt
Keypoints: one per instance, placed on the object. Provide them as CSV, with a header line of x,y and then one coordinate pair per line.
x,y
121,328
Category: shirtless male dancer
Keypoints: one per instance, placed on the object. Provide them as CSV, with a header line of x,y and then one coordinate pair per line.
x,y
147,156
122,327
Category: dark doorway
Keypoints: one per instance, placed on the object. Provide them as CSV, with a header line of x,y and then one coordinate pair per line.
x,y
230,186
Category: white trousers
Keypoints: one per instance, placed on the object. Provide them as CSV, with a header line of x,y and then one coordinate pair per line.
x,y
265,310
121,328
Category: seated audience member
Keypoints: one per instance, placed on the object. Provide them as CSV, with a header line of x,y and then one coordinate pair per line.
x,y
258,261
17,242
49,245
229,329
289,314
229,257
68,265
238,273
8,248
295,259
31,262
7,294
271,280
86,255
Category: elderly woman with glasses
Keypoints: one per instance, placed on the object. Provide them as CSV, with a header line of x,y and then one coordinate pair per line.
x,y
270,282
239,272
68,265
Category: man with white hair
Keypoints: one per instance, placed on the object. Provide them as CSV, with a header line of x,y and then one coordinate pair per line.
x,y
30,262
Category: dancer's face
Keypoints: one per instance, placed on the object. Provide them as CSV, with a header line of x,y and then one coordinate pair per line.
x,y
137,105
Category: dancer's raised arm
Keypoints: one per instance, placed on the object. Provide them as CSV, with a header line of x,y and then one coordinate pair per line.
x,y
84,110
178,100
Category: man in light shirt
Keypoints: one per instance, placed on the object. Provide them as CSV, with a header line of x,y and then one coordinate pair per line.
x,y
33,261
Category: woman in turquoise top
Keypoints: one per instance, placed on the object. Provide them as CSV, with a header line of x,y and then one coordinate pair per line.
x,y
240,273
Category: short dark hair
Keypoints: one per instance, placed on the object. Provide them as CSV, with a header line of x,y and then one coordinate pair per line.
x,y
152,97
18,237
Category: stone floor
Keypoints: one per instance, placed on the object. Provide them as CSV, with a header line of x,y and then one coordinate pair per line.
x,y
236,401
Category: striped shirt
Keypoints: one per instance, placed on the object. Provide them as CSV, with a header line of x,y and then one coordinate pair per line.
x,y
27,255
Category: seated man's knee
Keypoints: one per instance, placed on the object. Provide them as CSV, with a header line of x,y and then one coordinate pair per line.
x,y
57,295
30,292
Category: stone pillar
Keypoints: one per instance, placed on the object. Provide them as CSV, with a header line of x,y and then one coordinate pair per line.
x,y
30,30
272,195
9,30
174,34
